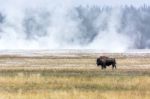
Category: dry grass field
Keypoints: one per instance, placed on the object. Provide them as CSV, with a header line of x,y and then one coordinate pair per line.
x,y
74,76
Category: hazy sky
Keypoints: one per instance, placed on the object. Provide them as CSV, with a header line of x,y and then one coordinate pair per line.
x,y
82,2
115,2
19,4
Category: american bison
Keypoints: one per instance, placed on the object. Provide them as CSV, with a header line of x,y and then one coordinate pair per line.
x,y
106,61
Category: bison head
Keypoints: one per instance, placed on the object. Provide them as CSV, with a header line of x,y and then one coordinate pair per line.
x,y
98,62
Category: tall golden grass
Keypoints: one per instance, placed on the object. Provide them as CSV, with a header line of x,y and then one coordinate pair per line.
x,y
73,78
74,84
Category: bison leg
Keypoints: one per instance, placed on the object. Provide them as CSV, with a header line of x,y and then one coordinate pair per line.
x,y
114,66
103,66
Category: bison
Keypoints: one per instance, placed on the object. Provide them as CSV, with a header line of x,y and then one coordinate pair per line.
x,y
106,61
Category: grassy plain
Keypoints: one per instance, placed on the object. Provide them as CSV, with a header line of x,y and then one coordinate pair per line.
x,y
73,77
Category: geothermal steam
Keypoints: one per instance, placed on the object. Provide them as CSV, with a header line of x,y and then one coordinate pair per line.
x,y
64,25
